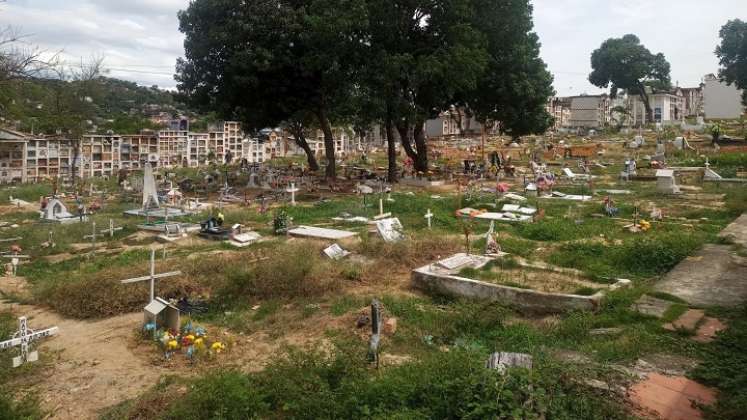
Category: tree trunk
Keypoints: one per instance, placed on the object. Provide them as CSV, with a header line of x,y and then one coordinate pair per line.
x,y
329,144
76,156
646,103
303,144
391,150
404,136
421,162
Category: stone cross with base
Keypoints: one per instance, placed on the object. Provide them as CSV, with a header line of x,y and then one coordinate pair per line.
x,y
152,277
293,190
23,338
429,216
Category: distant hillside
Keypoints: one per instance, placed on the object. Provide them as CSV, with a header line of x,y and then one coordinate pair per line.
x,y
49,106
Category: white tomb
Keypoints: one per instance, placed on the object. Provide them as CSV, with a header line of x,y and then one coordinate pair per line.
x,y
665,182
56,211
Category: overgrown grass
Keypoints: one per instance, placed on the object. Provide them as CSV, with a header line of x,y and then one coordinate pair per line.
x,y
311,385
637,257
725,367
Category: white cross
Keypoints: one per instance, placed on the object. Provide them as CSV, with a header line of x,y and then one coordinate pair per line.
x,y
292,189
429,216
111,229
93,237
153,276
23,337
14,260
11,239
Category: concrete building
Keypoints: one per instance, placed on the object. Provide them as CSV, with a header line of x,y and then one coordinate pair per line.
x,y
452,123
560,110
589,111
28,158
693,106
721,101
667,107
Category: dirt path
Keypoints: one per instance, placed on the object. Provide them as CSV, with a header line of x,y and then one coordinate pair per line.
x,y
94,365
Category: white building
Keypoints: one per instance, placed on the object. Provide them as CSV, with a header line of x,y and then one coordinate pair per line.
x,y
721,101
667,108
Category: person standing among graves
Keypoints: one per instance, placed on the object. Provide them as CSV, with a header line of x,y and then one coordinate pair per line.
x,y
220,218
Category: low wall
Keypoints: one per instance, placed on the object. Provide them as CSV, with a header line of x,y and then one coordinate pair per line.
x,y
525,299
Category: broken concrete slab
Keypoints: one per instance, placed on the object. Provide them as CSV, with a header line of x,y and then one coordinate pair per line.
x,y
651,306
708,330
736,231
687,321
670,398
713,277
504,360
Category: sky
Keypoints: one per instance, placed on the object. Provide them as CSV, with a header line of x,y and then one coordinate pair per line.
x,y
140,40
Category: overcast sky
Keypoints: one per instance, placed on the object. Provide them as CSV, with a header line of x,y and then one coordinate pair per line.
x,y
140,39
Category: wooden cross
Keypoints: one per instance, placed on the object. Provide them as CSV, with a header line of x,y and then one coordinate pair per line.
x,y
23,337
152,277
429,216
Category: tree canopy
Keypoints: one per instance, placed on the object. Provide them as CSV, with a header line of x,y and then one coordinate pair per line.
x,y
392,62
624,63
264,62
732,55
516,85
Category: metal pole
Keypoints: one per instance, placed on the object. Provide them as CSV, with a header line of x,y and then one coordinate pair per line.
x,y
152,274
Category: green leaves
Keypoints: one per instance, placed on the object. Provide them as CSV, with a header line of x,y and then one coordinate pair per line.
x,y
732,54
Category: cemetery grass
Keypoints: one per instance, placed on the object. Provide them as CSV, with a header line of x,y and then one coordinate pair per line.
x,y
724,367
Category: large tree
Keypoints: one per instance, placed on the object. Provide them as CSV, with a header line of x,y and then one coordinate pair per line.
x,y
422,54
516,85
268,61
624,63
732,55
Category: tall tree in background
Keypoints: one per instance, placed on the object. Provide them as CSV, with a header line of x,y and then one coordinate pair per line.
x,y
732,55
623,63
516,84
422,52
269,61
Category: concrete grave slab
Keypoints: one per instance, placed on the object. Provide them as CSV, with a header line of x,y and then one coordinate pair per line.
x,y
320,233
736,231
715,275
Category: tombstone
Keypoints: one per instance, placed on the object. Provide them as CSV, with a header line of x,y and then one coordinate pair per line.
x,y
629,170
503,360
666,183
391,229
335,252
381,214
709,174
253,181
491,244
150,194
376,321
23,338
